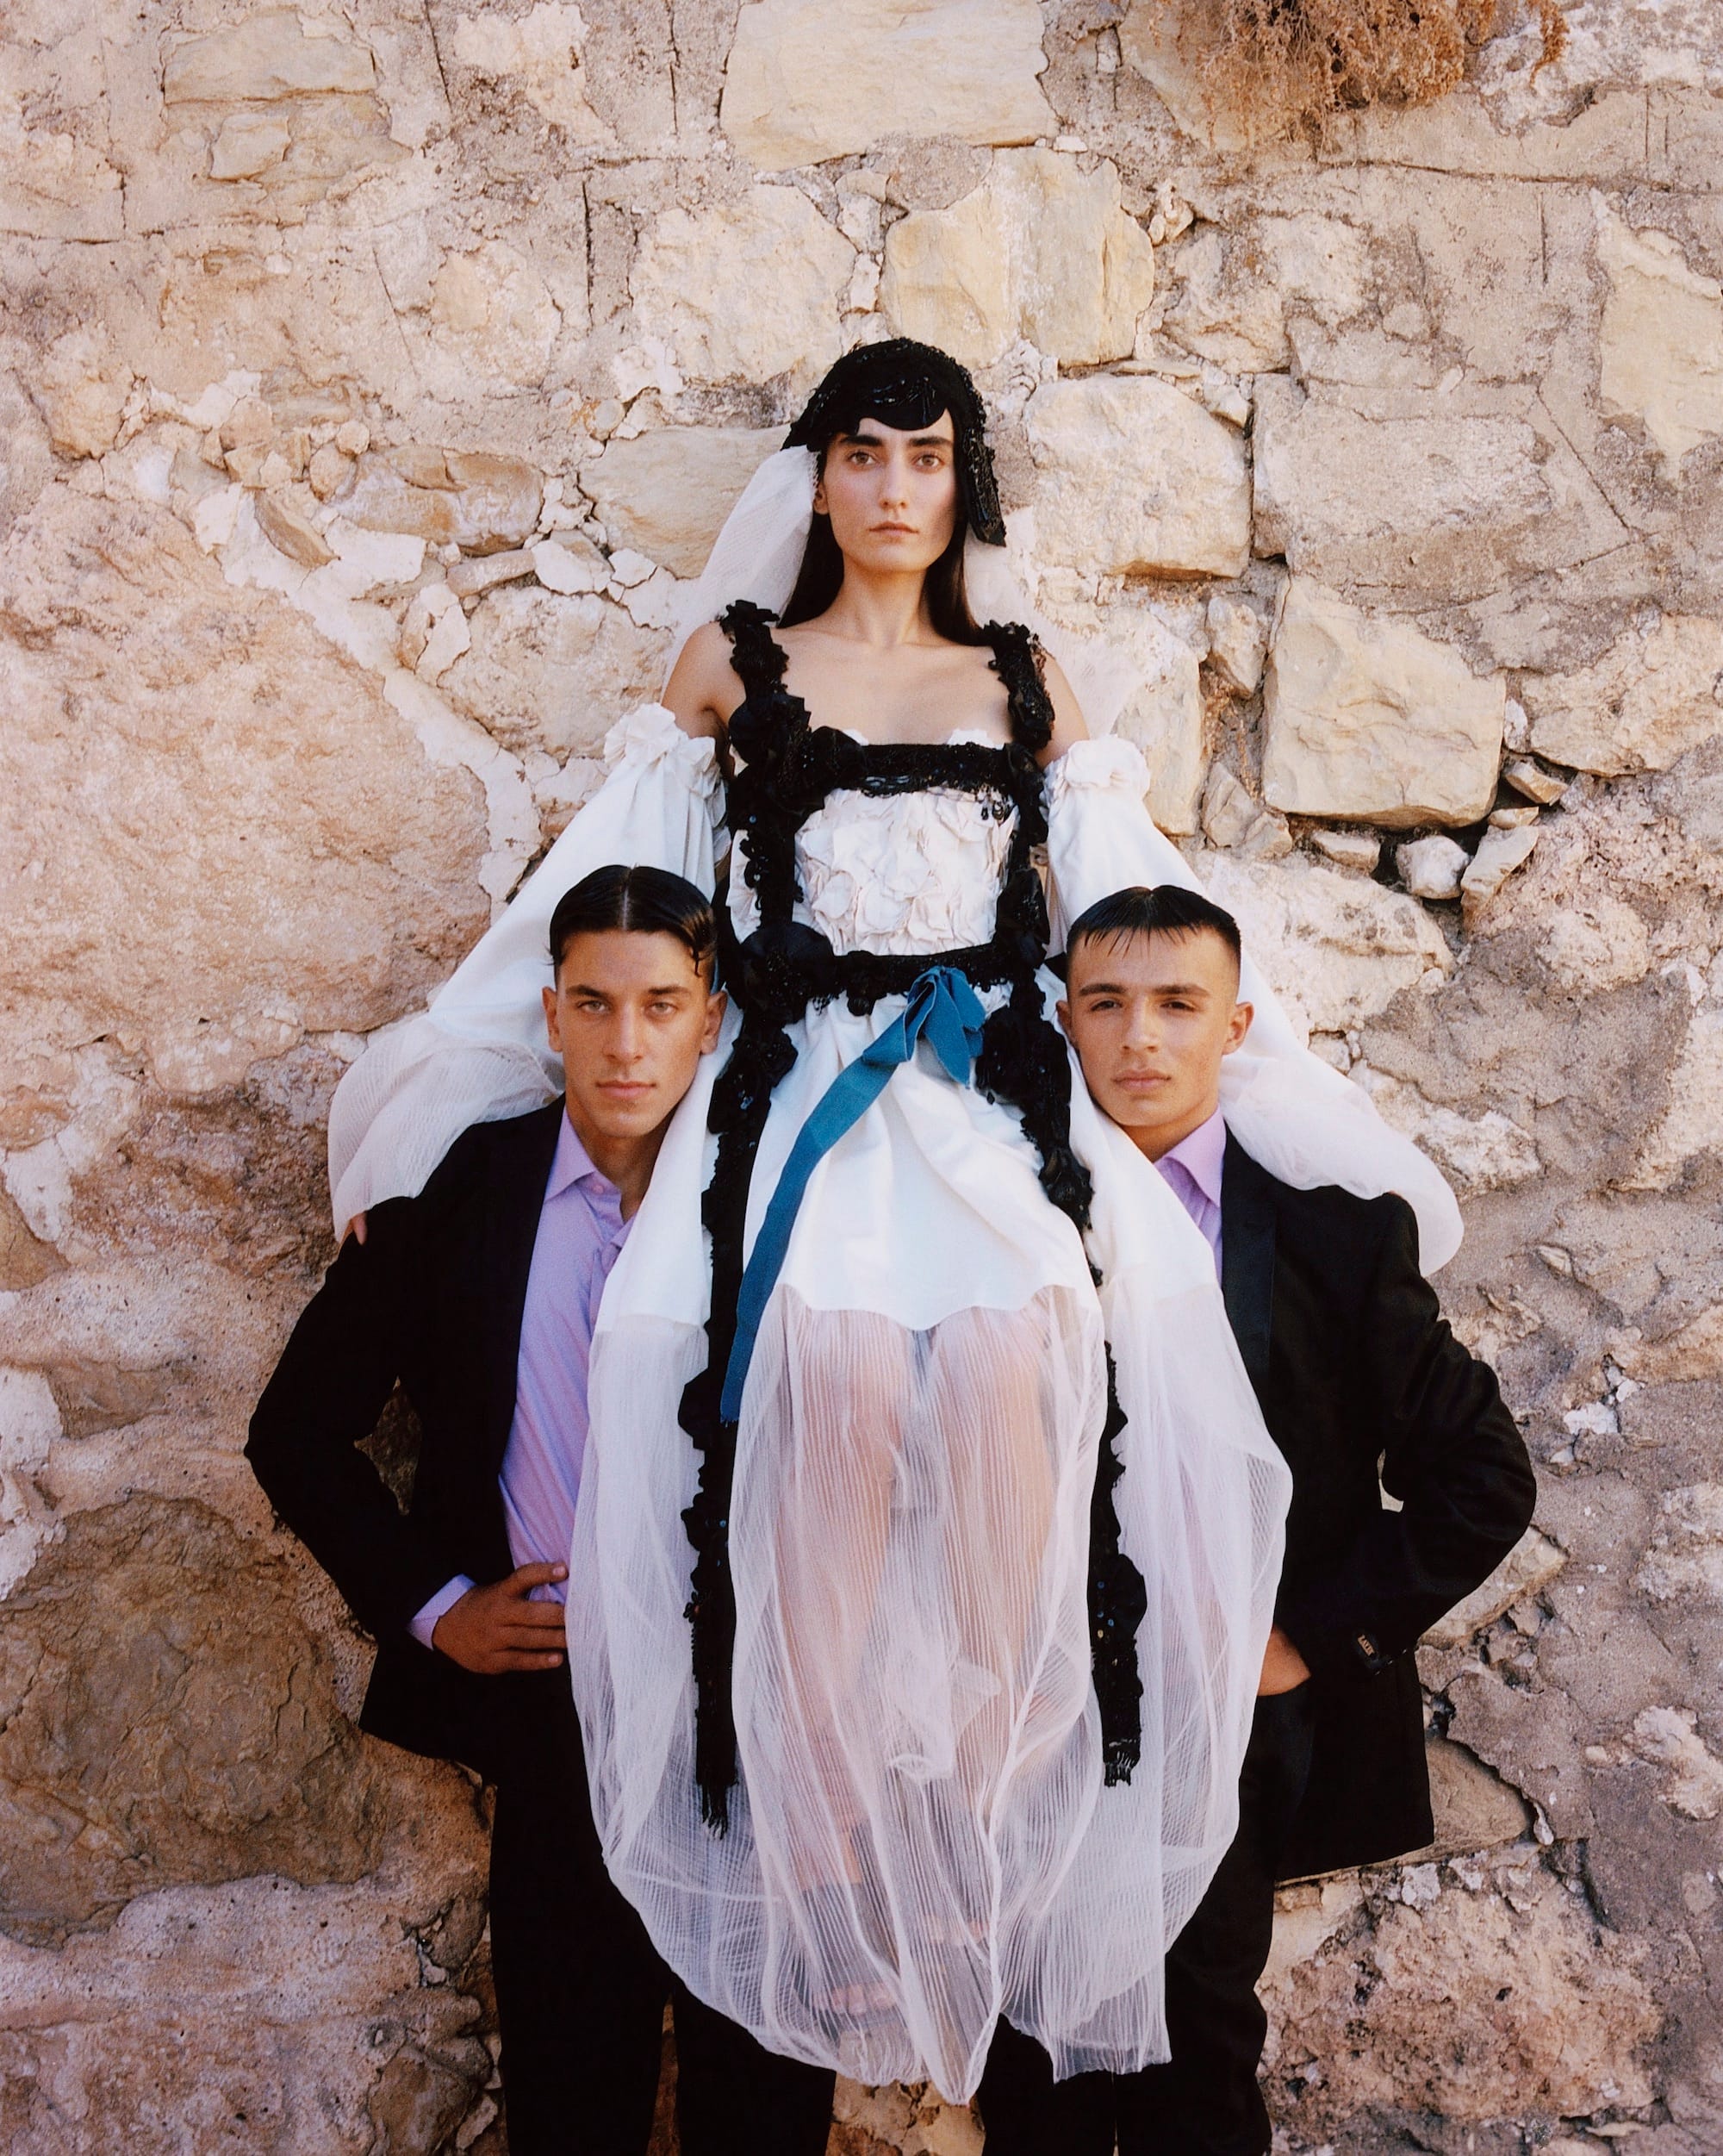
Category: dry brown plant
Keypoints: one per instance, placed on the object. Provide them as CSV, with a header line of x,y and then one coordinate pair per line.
x,y
1270,64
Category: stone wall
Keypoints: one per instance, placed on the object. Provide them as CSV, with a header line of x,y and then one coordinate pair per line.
x,y
369,376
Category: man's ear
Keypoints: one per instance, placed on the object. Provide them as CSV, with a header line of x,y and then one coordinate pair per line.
x,y
1063,1011
716,1005
1237,1026
553,1031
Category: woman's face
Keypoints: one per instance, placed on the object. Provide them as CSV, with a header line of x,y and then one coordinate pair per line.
x,y
892,495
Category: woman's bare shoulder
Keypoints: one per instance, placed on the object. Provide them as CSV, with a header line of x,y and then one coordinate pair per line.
x,y
704,688
1068,723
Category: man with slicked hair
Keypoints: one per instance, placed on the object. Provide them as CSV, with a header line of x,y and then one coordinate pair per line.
x,y
478,1298
1357,1376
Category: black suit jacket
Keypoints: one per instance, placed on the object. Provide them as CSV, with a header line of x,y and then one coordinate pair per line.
x,y
432,1300
1358,1377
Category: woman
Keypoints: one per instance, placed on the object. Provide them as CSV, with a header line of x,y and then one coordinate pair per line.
x,y
915,1657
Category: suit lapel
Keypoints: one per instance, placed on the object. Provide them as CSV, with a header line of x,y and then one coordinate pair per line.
x,y
1248,1256
514,1199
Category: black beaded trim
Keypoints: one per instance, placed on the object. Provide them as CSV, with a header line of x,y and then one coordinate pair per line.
x,y
775,973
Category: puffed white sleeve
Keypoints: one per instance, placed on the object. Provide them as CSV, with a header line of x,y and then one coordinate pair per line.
x,y
1296,1115
479,1053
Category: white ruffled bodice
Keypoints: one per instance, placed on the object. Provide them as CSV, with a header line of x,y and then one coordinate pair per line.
x,y
895,872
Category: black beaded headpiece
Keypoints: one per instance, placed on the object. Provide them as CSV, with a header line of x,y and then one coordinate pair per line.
x,y
908,385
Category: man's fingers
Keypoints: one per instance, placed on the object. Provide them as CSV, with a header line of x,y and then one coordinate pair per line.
x,y
506,1633
504,1660
525,1577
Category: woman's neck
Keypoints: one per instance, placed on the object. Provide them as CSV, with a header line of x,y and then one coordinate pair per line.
x,y
883,611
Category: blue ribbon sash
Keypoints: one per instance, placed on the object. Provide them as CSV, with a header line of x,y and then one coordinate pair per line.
x,y
943,1009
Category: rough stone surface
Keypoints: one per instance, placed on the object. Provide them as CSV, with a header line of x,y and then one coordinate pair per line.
x,y
746,290
480,503
666,492
1662,339
963,68
332,340
1137,479
1337,948
1371,719
1433,502
1041,251
1657,692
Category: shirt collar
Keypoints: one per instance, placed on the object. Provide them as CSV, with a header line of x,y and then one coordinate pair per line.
x,y
1202,1155
573,1164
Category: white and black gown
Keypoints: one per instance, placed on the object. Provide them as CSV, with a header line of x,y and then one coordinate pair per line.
x,y
917,1693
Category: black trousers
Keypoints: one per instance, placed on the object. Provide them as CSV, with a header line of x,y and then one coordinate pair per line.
x,y
580,1991
1205,2101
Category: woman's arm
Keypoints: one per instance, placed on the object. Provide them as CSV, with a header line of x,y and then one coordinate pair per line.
x,y
1068,724
704,688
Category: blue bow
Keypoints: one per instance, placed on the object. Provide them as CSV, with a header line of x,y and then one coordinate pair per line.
x,y
941,1007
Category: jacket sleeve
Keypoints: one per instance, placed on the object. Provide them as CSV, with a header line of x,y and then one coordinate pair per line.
x,y
328,1391
1450,1454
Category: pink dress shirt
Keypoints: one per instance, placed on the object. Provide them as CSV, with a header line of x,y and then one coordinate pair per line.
x,y
1192,1170
581,1231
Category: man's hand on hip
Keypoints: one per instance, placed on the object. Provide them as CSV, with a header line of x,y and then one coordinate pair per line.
x,y
1283,1668
494,1629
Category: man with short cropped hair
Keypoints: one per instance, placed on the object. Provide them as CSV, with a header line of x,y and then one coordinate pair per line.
x,y
479,1298
1353,1367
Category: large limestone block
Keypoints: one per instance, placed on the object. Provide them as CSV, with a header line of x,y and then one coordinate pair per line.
x,y
1040,249
269,55
457,497
165,1717
341,2016
217,827
1661,339
1164,715
1336,947
1369,718
1137,479
1540,2009
666,492
806,81
1424,499
1655,694
553,673
746,290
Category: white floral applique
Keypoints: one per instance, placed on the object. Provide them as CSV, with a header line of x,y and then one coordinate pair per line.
x,y
1109,764
648,737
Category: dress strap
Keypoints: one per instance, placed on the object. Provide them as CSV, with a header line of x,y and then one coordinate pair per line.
x,y
1017,660
755,652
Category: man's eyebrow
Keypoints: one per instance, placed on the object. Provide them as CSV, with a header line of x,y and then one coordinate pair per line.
x,y
1160,987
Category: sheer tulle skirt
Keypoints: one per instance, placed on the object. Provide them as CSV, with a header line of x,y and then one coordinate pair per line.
x,y
921,1839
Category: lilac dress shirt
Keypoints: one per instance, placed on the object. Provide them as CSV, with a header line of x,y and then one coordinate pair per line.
x,y
1192,1170
581,1231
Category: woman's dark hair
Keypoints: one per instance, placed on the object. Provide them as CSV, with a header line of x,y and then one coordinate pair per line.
x,y
1168,909
649,902
907,385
